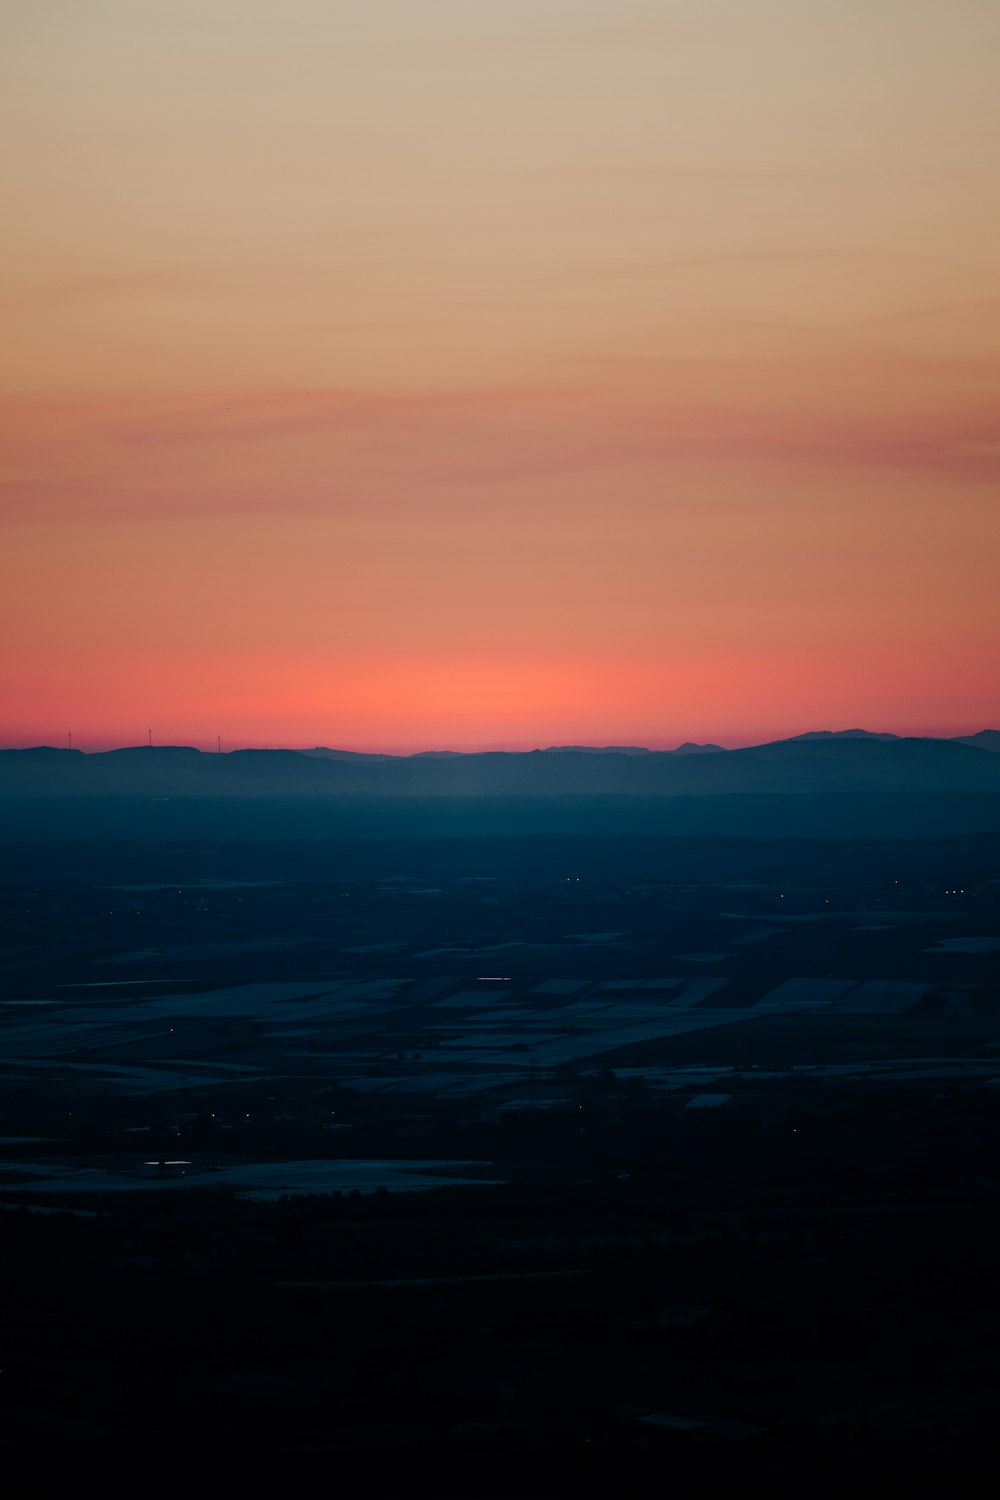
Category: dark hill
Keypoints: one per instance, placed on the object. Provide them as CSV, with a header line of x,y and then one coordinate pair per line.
x,y
986,739
322,753
842,734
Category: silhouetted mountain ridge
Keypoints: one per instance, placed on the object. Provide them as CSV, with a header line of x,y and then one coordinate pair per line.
x,y
597,750
986,739
821,764
841,734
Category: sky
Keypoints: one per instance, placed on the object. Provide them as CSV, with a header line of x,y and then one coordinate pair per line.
x,y
485,373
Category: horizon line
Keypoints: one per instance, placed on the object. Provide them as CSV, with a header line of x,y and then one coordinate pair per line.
x,y
214,744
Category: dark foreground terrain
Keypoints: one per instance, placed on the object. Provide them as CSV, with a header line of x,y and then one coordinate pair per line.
x,y
503,1167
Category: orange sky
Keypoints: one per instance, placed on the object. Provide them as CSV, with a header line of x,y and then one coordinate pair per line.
x,y
484,372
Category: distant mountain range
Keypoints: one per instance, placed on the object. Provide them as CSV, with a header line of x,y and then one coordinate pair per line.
x,y
820,761
986,739
825,784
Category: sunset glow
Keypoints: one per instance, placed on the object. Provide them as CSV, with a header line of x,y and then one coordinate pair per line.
x,y
398,375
